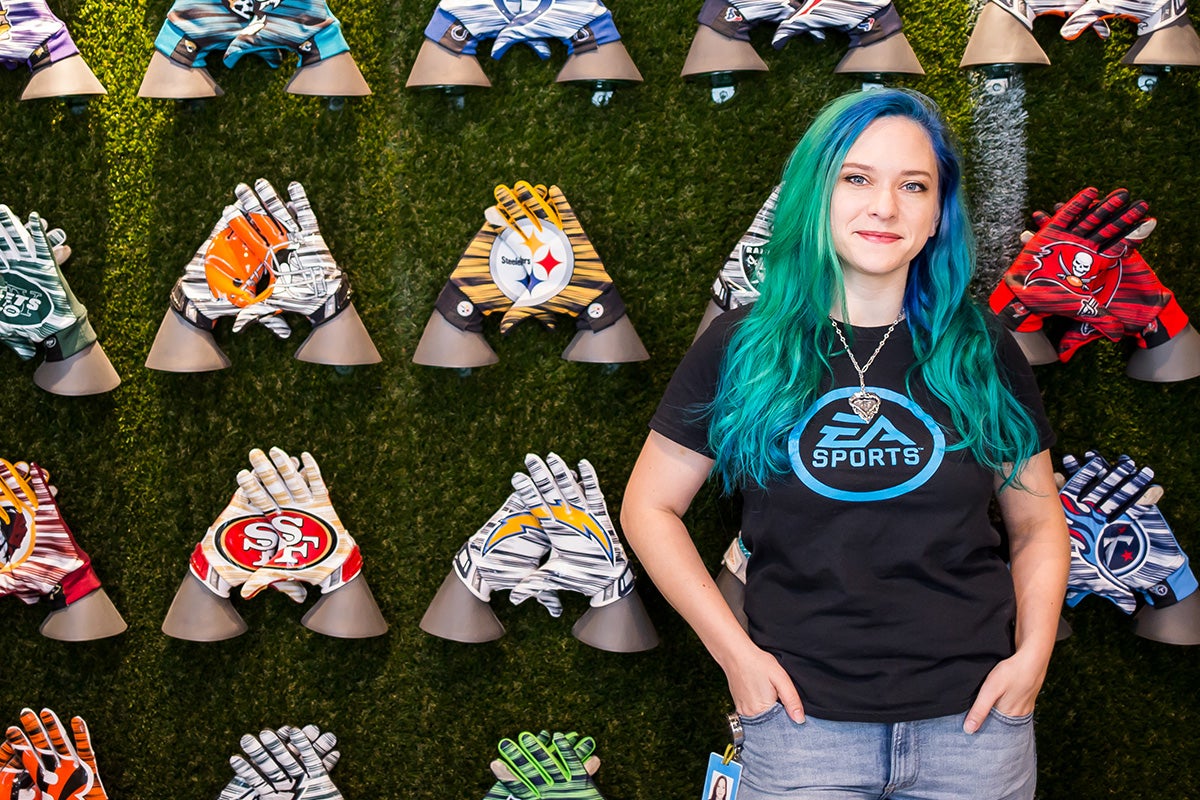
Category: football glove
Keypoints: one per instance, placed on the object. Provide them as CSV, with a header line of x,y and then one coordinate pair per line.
x,y
584,747
460,25
737,284
545,771
305,27
31,34
582,25
285,767
63,766
1150,15
867,21
195,29
734,20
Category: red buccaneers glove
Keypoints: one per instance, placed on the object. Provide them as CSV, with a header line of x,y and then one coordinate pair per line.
x,y
1063,268
38,554
314,546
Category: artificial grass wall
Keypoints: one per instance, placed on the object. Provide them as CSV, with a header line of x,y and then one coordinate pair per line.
x,y
417,458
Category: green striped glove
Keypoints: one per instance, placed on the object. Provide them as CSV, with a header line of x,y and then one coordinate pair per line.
x,y
550,771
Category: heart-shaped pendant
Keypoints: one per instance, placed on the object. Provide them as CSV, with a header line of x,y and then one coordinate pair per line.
x,y
865,404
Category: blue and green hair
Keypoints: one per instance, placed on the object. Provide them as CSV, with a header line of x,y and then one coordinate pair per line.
x,y
777,357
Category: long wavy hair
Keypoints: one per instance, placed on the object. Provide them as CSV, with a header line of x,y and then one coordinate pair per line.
x,y
777,357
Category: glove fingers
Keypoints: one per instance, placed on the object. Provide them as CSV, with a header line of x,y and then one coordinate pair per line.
x,y
530,497
253,493
1102,212
248,774
275,207
302,208
308,754
1071,211
540,474
276,324
55,734
546,757
265,471
35,734
539,585
534,200
591,489
312,477
282,754
292,479
564,481
522,763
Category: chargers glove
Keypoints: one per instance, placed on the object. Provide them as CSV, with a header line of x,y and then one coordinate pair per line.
x,y
64,765
507,549
323,744
195,29
867,21
287,767
584,747
737,284
1127,542
305,27
1150,15
31,34
547,264
314,546
240,540
460,25
586,556
270,258
582,25
552,771
1065,263
37,306
39,556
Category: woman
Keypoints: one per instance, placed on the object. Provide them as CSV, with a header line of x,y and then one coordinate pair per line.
x,y
867,412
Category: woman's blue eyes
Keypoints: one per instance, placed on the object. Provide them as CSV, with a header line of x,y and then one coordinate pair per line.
x,y
861,180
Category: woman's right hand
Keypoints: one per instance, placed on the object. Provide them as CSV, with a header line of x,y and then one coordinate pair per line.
x,y
758,681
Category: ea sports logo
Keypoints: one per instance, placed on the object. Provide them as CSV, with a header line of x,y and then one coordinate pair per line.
x,y
16,536
838,455
1123,548
531,266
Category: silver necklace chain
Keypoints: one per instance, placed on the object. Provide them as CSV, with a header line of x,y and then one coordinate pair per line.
x,y
865,404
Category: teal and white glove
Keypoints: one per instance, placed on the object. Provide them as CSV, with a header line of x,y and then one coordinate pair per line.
x,y
323,743
584,747
585,554
542,771
737,285
288,768
37,306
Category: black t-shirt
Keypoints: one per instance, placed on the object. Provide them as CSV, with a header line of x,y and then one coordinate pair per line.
x,y
875,575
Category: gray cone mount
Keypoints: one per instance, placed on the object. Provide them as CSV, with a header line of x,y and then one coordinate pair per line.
x,y
438,68
734,592
87,372
1176,45
1064,630
1178,359
619,627
893,54
1036,347
1000,39
349,612
711,312
168,80
340,341
713,53
91,617
70,77
608,63
444,345
180,346
338,76
1173,624
616,344
458,615
198,615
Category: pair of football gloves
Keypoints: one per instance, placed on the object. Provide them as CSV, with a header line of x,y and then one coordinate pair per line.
x,y
279,530
265,257
1148,15
196,30
1122,548
866,21
531,259
42,759
461,25
39,556
31,35
37,307
1083,264
552,534
284,764
545,766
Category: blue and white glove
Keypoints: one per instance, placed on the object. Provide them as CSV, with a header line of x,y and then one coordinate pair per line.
x,y
733,19
867,21
585,554
582,25
195,29
737,284
1123,541
460,25
305,27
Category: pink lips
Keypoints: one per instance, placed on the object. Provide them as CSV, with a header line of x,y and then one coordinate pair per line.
x,y
878,237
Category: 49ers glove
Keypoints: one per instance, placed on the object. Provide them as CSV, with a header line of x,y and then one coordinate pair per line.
x,y
507,549
314,546
737,284
1124,541
287,767
460,25
37,306
305,27
31,34
586,556
39,556
1150,15
195,29
546,770
62,765
582,25
867,21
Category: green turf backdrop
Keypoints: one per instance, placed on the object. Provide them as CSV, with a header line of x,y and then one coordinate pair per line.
x,y
664,182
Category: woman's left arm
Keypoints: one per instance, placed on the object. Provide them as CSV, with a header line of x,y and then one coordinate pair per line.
x,y
1040,553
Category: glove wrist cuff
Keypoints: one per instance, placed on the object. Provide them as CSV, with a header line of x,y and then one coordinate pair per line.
x,y
75,586
183,306
458,309
619,588
70,340
724,18
603,311
1169,322
1173,588
335,305
877,27
468,572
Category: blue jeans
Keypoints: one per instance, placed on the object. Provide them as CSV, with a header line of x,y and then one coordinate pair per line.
x,y
929,759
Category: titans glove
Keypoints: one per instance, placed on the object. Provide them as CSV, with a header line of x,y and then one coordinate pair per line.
x,y
1120,546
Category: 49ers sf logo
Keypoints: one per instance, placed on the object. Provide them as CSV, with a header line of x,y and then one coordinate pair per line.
x,y
292,539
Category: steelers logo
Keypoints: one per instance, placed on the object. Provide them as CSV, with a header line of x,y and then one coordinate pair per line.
x,y
531,266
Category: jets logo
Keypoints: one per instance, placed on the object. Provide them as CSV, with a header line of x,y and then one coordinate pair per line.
x,y
836,454
17,531
23,302
292,539
531,265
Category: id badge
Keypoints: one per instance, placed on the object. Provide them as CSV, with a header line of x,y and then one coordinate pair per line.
x,y
724,776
